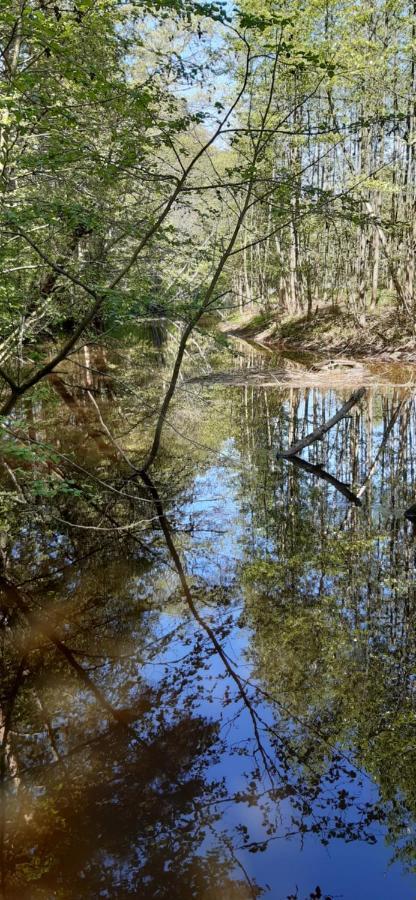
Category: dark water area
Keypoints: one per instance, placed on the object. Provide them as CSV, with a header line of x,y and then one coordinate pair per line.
x,y
216,700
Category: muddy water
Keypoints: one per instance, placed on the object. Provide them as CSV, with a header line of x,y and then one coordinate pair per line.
x,y
216,702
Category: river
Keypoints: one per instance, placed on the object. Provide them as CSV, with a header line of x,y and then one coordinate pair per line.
x,y
209,684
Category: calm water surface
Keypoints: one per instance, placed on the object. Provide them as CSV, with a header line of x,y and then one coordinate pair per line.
x,y
220,704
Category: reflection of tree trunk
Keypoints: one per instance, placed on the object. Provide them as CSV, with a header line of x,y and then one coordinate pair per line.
x,y
319,472
387,431
269,430
378,461
318,433
81,415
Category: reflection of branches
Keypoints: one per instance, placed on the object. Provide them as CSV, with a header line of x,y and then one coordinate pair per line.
x,y
252,887
56,755
110,436
18,600
267,762
319,472
386,435
376,461
318,433
150,409
258,722
313,729
164,524
26,439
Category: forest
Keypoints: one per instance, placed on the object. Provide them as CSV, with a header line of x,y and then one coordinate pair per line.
x,y
207,449
260,160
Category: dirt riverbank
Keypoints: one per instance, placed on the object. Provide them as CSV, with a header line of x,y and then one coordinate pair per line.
x,y
332,332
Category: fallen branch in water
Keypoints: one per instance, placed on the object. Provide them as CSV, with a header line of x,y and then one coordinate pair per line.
x,y
316,435
319,472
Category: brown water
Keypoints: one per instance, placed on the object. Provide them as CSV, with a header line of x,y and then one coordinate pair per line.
x,y
216,699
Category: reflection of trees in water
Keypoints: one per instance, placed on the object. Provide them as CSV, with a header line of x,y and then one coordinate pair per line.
x,y
112,775
131,834
93,799
72,768
331,597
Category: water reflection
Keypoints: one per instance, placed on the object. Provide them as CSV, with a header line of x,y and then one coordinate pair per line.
x,y
217,702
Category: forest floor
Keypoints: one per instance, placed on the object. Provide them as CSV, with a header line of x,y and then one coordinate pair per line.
x,y
332,331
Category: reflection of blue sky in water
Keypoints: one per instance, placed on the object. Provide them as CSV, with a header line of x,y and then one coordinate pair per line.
x,y
214,512
230,512
216,525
